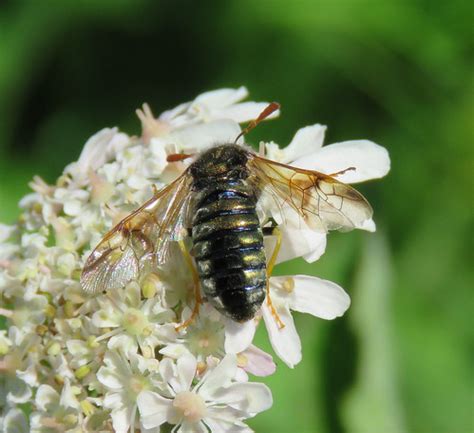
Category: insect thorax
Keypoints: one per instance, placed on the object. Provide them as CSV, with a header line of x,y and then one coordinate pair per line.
x,y
220,163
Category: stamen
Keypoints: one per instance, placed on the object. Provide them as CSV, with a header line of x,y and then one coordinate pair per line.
x,y
289,285
109,334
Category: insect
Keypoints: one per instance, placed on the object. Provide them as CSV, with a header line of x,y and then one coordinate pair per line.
x,y
214,201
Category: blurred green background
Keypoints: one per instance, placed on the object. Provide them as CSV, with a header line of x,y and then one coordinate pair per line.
x,y
396,72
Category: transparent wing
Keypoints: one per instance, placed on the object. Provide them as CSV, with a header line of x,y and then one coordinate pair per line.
x,y
320,200
140,240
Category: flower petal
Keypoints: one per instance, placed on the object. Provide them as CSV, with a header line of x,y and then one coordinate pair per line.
x,y
285,342
370,160
15,422
101,147
111,374
123,342
306,243
195,427
321,298
174,350
224,420
167,369
29,375
258,362
186,367
19,393
143,429
154,409
171,114
68,398
169,373
122,418
46,398
202,136
244,111
368,225
114,400
107,376
247,397
238,336
306,141
219,377
222,97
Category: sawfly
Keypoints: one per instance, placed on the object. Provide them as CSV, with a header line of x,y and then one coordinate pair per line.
x,y
214,202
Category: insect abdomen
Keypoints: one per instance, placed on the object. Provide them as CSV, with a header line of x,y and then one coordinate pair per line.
x,y
228,248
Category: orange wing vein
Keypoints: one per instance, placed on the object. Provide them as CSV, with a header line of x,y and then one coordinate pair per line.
x,y
320,200
140,240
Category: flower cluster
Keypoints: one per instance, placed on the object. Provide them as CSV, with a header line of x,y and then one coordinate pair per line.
x,y
117,361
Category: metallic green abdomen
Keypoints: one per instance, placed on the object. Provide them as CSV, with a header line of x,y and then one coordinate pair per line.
x,y
228,248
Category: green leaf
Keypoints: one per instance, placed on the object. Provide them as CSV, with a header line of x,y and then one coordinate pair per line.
x,y
373,404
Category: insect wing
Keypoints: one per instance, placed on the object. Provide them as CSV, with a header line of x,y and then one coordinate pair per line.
x,y
320,200
140,240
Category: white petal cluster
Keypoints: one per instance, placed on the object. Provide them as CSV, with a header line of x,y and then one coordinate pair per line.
x,y
116,361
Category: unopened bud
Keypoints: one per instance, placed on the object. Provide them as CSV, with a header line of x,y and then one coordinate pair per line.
x,y
82,372
151,285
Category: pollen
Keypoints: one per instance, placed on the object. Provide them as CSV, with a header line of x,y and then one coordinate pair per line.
x,y
289,285
201,367
242,360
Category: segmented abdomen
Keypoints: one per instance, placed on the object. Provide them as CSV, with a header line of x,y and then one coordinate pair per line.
x,y
228,248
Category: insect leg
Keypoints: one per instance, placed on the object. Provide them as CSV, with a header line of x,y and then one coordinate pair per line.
x,y
196,283
270,266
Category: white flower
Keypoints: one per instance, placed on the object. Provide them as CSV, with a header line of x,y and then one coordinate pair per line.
x,y
211,118
7,248
217,104
125,378
56,412
215,402
29,312
203,337
306,150
83,363
303,293
255,361
14,421
72,201
312,295
99,149
136,322
19,367
188,133
211,336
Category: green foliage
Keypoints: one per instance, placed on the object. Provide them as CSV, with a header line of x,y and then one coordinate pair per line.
x,y
396,72
375,390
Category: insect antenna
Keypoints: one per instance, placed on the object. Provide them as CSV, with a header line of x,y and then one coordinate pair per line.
x,y
269,109
175,157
